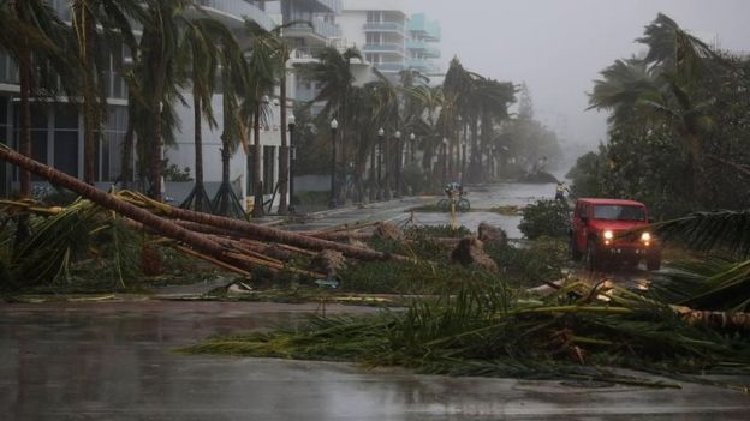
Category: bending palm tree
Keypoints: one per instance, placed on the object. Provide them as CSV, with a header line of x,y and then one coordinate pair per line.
x,y
155,82
333,71
203,40
233,80
93,53
31,33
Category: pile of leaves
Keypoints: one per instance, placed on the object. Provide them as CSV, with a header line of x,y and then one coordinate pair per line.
x,y
483,327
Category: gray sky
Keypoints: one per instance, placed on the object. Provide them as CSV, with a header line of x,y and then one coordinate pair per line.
x,y
558,46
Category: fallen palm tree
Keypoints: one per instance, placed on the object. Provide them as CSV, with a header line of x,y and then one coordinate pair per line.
x,y
254,231
164,220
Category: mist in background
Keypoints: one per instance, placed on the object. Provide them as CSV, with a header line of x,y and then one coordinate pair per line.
x,y
558,47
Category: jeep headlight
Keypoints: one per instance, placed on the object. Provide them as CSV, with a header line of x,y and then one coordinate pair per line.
x,y
646,237
609,235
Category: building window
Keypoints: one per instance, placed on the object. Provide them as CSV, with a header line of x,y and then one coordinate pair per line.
x,y
66,152
373,17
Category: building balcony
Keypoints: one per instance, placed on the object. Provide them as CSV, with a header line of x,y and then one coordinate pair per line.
x,y
315,28
238,10
423,66
394,27
426,29
389,67
423,47
384,47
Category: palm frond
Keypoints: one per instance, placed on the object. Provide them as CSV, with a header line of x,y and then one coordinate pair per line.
x,y
709,230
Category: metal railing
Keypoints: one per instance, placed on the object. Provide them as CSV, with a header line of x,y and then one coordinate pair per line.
x,y
384,46
384,27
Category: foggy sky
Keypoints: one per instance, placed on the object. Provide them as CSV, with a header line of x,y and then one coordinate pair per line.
x,y
558,46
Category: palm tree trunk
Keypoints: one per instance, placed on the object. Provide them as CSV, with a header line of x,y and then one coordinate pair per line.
x,y
90,106
257,181
373,175
474,167
160,225
284,150
127,157
24,144
155,158
265,233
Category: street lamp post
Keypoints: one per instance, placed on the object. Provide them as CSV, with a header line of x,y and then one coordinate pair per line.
x,y
381,132
334,126
398,155
293,156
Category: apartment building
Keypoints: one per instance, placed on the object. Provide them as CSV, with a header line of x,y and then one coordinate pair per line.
x,y
378,29
423,45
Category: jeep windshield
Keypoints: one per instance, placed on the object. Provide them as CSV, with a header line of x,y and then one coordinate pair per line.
x,y
619,212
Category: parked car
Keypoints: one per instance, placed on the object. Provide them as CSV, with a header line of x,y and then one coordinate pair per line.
x,y
606,232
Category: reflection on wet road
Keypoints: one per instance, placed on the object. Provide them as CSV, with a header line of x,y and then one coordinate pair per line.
x,y
485,198
115,361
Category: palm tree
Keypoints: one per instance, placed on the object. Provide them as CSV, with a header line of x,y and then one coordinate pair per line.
x,y
93,53
32,35
333,71
667,87
493,98
261,71
274,39
202,45
234,75
155,81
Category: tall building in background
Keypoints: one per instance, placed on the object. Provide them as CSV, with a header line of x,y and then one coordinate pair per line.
x,y
378,29
423,45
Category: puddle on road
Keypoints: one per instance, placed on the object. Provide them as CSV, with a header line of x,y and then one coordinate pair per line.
x,y
489,197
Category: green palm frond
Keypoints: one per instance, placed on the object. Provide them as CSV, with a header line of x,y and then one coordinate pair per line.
x,y
709,230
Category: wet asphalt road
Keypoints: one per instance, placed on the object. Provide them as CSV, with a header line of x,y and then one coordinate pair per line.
x,y
116,361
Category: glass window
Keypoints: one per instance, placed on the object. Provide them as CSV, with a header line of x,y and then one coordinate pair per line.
x,y
620,213
66,152
66,117
39,149
38,116
3,111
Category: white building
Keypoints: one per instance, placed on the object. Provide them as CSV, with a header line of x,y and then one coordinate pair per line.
x,y
305,39
378,29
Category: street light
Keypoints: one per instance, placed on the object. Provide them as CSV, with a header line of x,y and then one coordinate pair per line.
x,y
463,160
334,127
398,154
290,122
381,133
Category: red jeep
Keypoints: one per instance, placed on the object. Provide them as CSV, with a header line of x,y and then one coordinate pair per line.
x,y
613,231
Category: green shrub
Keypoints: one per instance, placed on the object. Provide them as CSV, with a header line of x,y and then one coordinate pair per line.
x,y
545,217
